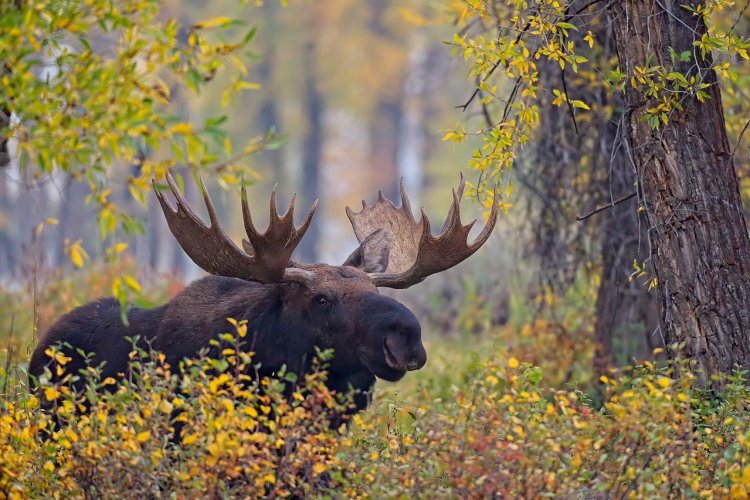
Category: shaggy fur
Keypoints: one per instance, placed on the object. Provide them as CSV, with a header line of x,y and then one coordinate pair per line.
x,y
372,335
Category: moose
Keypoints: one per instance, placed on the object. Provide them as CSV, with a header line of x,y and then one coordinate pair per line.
x,y
292,309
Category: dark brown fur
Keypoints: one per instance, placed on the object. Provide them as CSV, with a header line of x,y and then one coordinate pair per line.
x,y
372,335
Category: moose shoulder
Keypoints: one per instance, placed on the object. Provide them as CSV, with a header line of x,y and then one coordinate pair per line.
x,y
292,309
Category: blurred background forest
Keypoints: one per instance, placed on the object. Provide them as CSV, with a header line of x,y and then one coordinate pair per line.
x,y
346,98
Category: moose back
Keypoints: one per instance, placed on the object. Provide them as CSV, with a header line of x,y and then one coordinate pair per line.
x,y
292,309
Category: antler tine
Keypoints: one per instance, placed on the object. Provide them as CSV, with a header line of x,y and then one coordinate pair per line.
x,y
274,210
405,202
487,229
182,205
434,254
213,251
247,217
290,209
302,228
209,204
453,219
455,207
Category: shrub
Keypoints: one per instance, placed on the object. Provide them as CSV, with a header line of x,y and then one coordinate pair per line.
x,y
211,429
505,436
497,431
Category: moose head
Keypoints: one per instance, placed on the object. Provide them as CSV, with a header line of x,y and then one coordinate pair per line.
x,y
292,309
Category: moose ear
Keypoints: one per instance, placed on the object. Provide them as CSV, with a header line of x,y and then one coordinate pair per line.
x,y
372,254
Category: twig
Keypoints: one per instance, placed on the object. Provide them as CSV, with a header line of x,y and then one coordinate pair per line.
x,y
739,16
608,205
739,139
567,100
10,355
585,7
494,67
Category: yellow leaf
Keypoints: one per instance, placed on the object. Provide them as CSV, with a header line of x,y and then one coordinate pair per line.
x,y
589,38
319,468
77,254
192,438
184,128
213,23
132,284
664,382
49,466
229,179
228,406
165,406
143,436
248,85
119,247
51,393
513,362
109,381
580,104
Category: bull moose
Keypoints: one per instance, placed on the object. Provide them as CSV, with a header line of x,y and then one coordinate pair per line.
x,y
291,308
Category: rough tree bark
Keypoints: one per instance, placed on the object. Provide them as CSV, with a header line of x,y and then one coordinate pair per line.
x,y
700,250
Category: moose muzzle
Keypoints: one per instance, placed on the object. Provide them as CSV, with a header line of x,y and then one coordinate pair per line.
x,y
402,355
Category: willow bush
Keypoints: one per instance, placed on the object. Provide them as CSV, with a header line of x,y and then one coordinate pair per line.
x,y
497,431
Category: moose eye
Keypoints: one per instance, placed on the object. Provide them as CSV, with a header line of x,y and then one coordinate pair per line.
x,y
320,300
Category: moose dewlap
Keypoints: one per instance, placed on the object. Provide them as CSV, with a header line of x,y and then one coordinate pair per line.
x,y
292,309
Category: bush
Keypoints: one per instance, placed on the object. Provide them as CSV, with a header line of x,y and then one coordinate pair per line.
x,y
211,429
505,436
496,431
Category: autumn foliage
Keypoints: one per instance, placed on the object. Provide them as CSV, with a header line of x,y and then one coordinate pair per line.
x,y
497,430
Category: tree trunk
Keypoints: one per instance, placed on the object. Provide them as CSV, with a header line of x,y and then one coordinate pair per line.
x,y
268,115
384,140
626,312
384,131
4,133
700,250
6,250
411,136
312,151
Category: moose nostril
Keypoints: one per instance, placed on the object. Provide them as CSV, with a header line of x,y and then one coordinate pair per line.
x,y
419,359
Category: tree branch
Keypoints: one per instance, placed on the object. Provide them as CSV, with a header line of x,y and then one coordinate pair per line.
x,y
608,205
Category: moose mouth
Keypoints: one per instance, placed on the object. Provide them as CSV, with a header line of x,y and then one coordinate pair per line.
x,y
391,370
390,358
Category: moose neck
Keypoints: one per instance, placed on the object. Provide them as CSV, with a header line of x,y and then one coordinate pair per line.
x,y
200,312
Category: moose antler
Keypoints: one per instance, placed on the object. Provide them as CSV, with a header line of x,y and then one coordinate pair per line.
x,y
414,252
266,256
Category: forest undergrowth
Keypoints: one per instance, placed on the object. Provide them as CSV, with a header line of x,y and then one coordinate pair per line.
x,y
510,411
